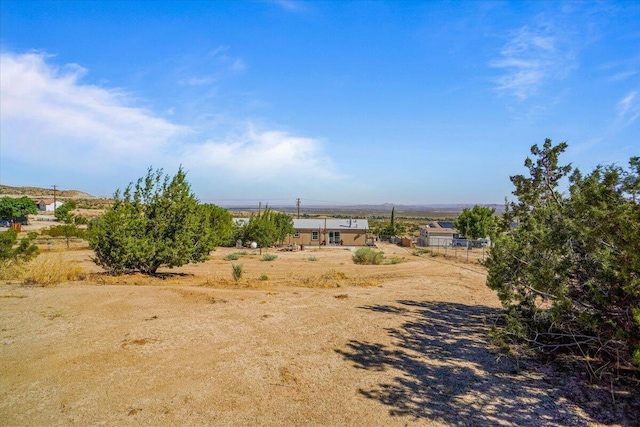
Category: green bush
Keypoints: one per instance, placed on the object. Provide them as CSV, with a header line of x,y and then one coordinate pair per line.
x,y
269,257
264,277
368,256
232,256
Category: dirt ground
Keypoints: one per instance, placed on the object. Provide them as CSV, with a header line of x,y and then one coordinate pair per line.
x,y
306,339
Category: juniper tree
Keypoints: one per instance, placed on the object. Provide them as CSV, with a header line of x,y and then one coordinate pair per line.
x,y
568,275
155,223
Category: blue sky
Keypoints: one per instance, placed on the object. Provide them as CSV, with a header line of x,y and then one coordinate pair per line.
x,y
339,102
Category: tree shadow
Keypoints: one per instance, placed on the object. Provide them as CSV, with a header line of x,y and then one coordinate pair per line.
x,y
446,373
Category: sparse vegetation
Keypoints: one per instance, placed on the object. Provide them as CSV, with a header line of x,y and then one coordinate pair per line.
x,y
234,256
312,258
264,277
65,230
269,257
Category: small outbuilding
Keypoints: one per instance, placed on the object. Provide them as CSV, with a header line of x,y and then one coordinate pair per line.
x,y
48,205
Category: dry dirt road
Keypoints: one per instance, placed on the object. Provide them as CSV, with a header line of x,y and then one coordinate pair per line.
x,y
322,342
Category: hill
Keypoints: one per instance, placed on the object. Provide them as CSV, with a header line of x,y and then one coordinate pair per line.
x,y
39,192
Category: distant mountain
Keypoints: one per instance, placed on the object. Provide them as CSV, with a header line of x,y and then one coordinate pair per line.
x,y
39,192
382,210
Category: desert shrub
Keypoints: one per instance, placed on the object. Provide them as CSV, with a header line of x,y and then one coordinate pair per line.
x,y
269,257
236,271
312,258
368,256
264,277
395,260
232,256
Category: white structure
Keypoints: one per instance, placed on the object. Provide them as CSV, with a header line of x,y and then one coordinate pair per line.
x,y
48,205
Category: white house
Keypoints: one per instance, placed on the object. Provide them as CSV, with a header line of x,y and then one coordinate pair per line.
x,y
48,205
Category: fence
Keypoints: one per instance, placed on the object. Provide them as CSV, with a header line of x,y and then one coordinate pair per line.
x,y
463,248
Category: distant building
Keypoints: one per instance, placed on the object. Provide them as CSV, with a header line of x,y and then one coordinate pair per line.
x,y
438,233
48,205
326,232
330,232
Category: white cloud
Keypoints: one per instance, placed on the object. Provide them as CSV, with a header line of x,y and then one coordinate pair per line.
x,y
46,110
532,57
50,119
629,108
271,153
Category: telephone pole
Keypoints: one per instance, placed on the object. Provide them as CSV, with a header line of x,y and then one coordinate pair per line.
x,y
54,199
298,203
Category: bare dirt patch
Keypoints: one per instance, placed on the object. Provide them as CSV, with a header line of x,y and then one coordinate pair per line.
x,y
321,342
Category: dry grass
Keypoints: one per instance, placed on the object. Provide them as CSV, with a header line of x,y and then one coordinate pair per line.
x,y
50,271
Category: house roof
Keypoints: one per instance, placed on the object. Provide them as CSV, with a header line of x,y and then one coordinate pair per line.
x,y
321,223
331,224
440,228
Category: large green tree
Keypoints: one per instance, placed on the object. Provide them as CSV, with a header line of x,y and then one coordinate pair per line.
x,y
284,226
63,213
476,223
155,223
221,223
261,229
13,209
568,275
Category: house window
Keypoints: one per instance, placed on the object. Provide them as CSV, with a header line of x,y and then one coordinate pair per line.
x,y
296,234
315,235
334,237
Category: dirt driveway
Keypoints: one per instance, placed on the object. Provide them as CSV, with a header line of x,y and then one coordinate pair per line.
x,y
320,342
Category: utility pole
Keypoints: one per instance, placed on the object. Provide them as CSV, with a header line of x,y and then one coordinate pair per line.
x,y
298,203
54,199
259,208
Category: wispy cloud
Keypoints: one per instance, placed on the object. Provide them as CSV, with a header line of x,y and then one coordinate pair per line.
x,y
532,57
290,5
628,108
623,75
212,67
94,132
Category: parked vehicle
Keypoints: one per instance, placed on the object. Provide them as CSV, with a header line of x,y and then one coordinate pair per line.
x,y
5,223
459,242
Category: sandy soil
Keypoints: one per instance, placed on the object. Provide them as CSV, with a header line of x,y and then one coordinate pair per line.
x,y
320,342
